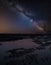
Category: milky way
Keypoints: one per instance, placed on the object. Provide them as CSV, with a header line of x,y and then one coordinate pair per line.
x,y
21,20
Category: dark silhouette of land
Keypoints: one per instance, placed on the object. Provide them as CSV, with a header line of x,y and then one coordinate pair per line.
x,y
24,58
13,37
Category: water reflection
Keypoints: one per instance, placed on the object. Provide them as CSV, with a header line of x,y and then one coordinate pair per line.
x,y
40,54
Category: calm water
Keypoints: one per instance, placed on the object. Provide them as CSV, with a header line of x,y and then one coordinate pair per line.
x,y
28,48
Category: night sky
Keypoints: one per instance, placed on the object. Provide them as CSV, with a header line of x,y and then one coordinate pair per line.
x,y
25,16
